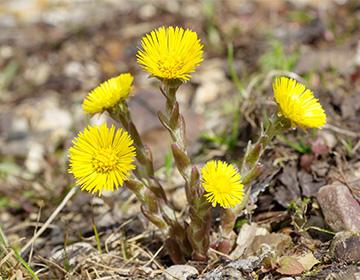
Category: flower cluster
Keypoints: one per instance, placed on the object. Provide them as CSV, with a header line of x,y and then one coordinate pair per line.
x,y
103,158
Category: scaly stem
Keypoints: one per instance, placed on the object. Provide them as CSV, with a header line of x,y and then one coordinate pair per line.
x,y
254,152
149,191
198,231
143,154
250,170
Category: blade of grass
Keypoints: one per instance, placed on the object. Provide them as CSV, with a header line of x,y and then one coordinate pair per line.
x,y
3,239
25,264
4,242
97,238
233,74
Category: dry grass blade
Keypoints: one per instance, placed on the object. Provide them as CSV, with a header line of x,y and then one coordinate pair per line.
x,y
50,219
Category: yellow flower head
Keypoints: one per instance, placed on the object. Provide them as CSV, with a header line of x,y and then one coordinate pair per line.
x,y
108,94
298,104
222,182
101,158
170,53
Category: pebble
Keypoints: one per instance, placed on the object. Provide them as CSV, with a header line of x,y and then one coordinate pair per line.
x,y
55,118
340,208
345,247
179,272
35,159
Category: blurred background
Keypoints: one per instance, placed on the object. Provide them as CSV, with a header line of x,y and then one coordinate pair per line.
x,y
53,52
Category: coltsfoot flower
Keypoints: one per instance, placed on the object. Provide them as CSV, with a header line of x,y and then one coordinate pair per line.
x,y
298,104
222,183
170,53
108,94
101,158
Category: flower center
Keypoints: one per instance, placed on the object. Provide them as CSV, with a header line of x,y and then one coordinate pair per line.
x,y
224,186
170,66
105,160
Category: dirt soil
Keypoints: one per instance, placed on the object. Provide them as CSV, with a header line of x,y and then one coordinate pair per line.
x,y
53,52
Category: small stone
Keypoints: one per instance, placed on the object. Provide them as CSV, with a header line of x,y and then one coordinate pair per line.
x,y
227,272
73,68
179,272
329,138
72,253
340,208
246,265
35,159
6,52
37,72
147,11
20,126
230,273
212,83
350,272
206,93
54,118
345,247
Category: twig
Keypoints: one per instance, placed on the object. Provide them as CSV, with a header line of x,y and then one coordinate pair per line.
x,y
136,254
154,256
341,130
53,263
220,253
357,146
35,230
25,225
148,254
50,219
109,268
44,227
320,229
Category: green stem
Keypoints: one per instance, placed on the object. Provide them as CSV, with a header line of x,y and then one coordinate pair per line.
x,y
277,124
198,231
149,191
251,168
150,205
143,154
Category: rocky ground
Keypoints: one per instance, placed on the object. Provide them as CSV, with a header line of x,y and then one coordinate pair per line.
x,y
305,216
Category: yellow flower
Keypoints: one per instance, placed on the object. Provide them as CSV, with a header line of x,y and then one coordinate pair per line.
x,y
101,158
108,94
170,53
222,182
298,104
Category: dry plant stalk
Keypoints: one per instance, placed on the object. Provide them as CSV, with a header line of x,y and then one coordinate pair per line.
x,y
105,158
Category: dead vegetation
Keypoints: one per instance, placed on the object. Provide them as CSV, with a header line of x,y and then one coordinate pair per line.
x,y
52,53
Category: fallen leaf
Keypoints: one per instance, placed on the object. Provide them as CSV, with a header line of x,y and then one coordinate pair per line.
x,y
278,242
290,266
246,237
308,261
288,189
